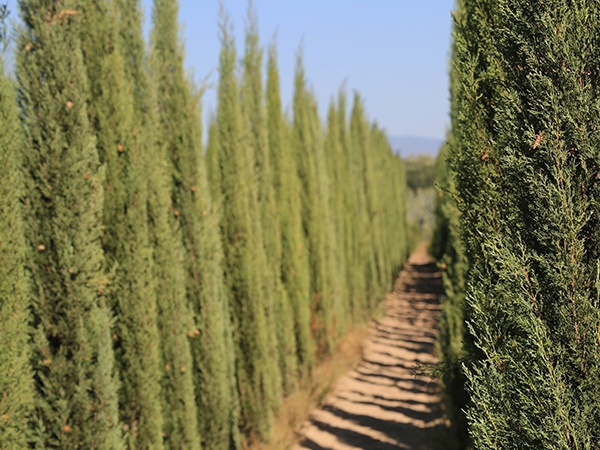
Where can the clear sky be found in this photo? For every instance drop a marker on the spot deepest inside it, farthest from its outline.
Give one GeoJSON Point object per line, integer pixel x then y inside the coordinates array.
{"type": "Point", "coordinates": [394, 52]}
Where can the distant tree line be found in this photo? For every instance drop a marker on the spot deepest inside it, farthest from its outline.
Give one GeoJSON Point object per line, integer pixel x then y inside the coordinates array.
{"type": "Point", "coordinates": [156, 294]}
{"type": "Point", "coordinates": [519, 226]}
{"type": "Point", "coordinates": [420, 171]}
{"type": "Point", "coordinates": [420, 196]}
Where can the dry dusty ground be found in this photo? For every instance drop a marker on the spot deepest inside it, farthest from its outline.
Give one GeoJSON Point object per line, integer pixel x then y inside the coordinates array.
{"type": "Point", "coordinates": [381, 404]}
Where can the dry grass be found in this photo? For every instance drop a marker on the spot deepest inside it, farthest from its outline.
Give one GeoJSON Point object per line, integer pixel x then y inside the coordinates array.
{"type": "Point", "coordinates": [298, 405]}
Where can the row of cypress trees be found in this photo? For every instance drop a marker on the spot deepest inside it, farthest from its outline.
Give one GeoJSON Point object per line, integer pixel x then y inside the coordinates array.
{"type": "Point", "coordinates": [448, 248]}
{"type": "Point", "coordinates": [520, 339]}
{"type": "Point", "coordinates": [153, 294]}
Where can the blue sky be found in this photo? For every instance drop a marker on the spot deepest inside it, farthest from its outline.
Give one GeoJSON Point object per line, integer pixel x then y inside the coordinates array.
{"type": "Point", "coordinates": [394, 52]}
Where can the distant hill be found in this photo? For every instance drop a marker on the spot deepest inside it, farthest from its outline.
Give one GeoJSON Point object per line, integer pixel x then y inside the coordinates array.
{"type": "Point", "coordinates": [413, 145]}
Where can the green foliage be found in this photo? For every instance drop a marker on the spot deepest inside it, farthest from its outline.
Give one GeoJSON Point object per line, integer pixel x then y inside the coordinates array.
{"type": "Point", "coordinates": [366, 254]}
{"type": "Point", "coordinates": [365, 176]}
{"type": "Point", "coordinates": [181, 135]}
{"type": "Point", "coordinates": [390, 177]}
{"type": "Point", "coordinates": [250, 299]}
{"type": "Point", "coordinates": [174, 319]}
{"type": "Point", "coordinates": [420, 174]}
{"type": "Point", "coordinates": [307, 143]}
{"type": "Point", "coordinates": [447, 247]}
{"type": "Point", "coordinates": [253, 106]}
{"type": "Point", "coordinates": [525, 118]}
{"type": "Point", "coordinates": [211, 160]}
{"type": "Point", "coordinates": [182, 430]}
{"type": "Point", "coordinates": [352, 218]}
{"type": "Point", "coordinates": [293, 255]}
{"type": "Point", "coordinates": [420, 171]}
{"type": "Point", "coordinates": [420, 214]}
{"type": "Point", "coordinates": [209, 284]}
{"type": "Point", "coordinates": [126, 236]}
{"type": "Point", "coordinates": [16, 377]}
{"type": "Point", "coordinates": [4, 13]}
{"type": "Point", "coordinates": [332, 278]}
{"type": "Point", "coordinates": [335, 159]}
{"type": "Point", "coordinates": [76, 402]}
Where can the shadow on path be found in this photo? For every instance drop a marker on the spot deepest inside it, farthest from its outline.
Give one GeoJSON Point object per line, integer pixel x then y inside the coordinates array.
{"type": "Point", "coordinates": [382, 404]}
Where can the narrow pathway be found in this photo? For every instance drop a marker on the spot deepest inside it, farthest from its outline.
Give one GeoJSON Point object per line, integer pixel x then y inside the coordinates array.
{"type": "Point", "coordinates": [381, 405]}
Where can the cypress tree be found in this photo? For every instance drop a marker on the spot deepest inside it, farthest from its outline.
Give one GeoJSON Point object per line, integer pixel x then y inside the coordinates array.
{"type": "Point", "coordinates": [126, 236]}
{"type": "Point", "coordinates": [253, 106]}
{"type": "Point", "coordinates": [381, 155]}
{"type": "Point", "coordinates": [133, 50]}
{"type": "Point", "coordinates": [338, 175]}
{"type": "Point", "coordinates": [526, 126]}
{"type": "Point", "coordinates": [258, 377]}
{"type": "Point", "coordinates": [294, 257]}
{"type": "Point", "coordinates": [375, 240]}
{"type": "Point", "coordinates": [362, 141]}
{"type": "Point", "coordinates": [448, 248]}
{"type": "Point", "coordinates": [174, 317]}
{"type": "Point", "coordinates": [76, 404]}
{"type": "Point", "coordinates": [398, 222]}
{"type": "Point", "coordinates": [16, 377]}
{"type": "Point", "coordinates": [213, 350]}
{"type": "Point", "coordinates": [377, 194]}
{"type": "Point", "coordinates": [180, 133]}
{"type": "Point", "coordinates": [355, 273]}
{"type": "Point", "coordinates": [333, 278]}
{"type": "Point", "coordinates": [393, 173]}
{"type": "Point", "coordinates": [306, 143]}
{"type": "Point", "coordinates": [363, 243]}
{"type": "Point", "coordinates": [211, 159]}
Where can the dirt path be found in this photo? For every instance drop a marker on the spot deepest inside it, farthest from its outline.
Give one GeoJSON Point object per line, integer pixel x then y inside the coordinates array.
{"type": "Point", "coordinates": [381, 404]}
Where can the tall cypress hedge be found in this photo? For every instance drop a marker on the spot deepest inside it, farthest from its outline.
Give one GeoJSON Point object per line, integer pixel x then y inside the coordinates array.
{"type": "Point", "coordinates": [333, 281]}
{"type": "Point", "coordinates": [211, 160]}
{"type": "Point", "coordinates": [365, 253]}
{"type": "Point", "coordinates": [305, 141]}
{"type": "Point", "coordinates": [350, 230]}
{"type": "Point", "coordinates": [337, 165]}
{"type": "Point", "coordinates": [294, 256]}
{"type": "Point", "coordinates": [447, 246]}
{"type": "Point", "coordinates": [253, 106]}
{"type": "Point", "coordinates": [525, 164]}
{"type": "Point", "coordinates": [176, 321]}
{"type": "Point", "coordinates": [16, 376]}
{"type": "Point", "coordinates": [453, 336]}
{"type": "Point", "coordinates": [163, 297]}
{"type": "Point", "coordinates": [174, 318]}
{"type": "Point", "coordinates": [251, 301]}
{"type": "Point", "coordinates": [76, 388]}
{"type": "Point", "coordinates": [180, 133]}
{"type": "Point", "coordinates": [126, 235]}
{"type": "Point", "coordinates": [363, 140]}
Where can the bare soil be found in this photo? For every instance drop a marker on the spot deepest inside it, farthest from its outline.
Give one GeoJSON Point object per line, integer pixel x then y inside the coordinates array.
{"type": "Point", "coordinates": [387, 402]}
